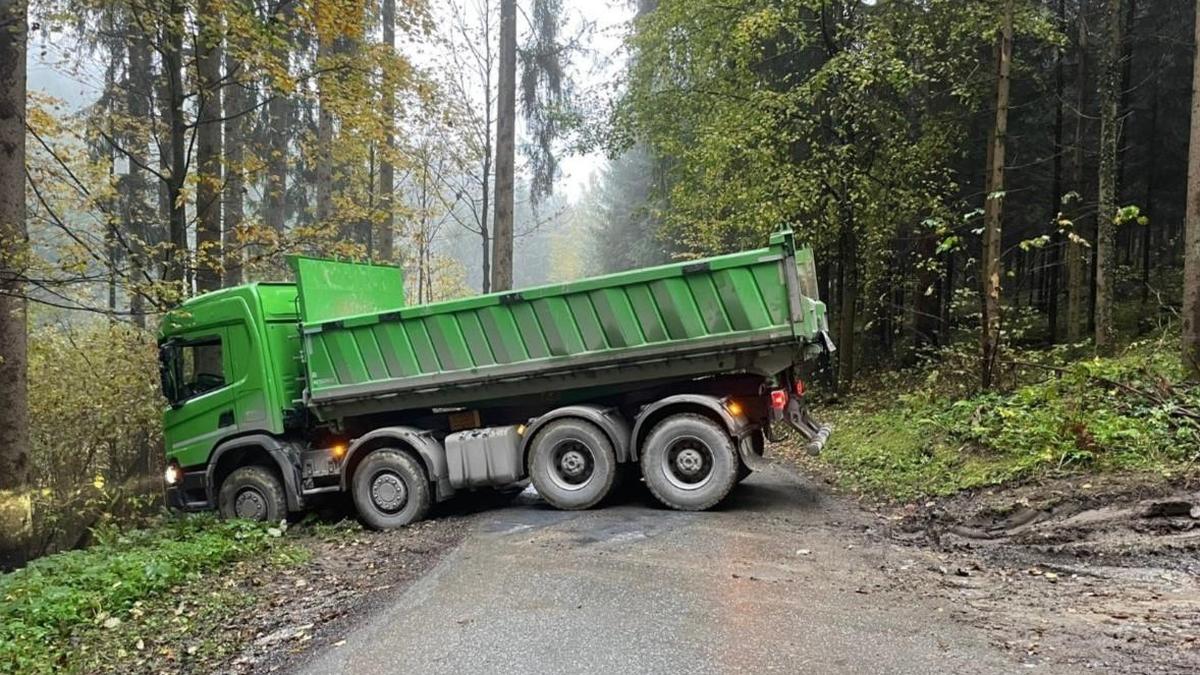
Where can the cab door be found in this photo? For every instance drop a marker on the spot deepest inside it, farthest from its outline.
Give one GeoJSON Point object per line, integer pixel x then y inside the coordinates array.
{"type": "Point", "coordinates": [203, 401]}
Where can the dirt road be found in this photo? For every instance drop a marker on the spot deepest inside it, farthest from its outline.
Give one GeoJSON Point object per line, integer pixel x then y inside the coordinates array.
{"type": "Point", "coordinates": [785, 577]}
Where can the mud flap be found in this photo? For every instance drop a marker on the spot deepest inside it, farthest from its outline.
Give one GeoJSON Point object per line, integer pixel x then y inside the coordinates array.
{"type": "Point", "coordinates": [813, 433]}
{"type": "Point", "coordinates": [753, 457]}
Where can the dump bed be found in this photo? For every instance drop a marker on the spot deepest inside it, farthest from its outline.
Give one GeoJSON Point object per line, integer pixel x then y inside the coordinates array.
{"type": "Point", "coordinates": [755, 311]}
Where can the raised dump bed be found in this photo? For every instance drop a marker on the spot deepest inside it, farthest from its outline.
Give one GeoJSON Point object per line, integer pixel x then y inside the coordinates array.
{"type": "Point", "coordinates": [746, 312]}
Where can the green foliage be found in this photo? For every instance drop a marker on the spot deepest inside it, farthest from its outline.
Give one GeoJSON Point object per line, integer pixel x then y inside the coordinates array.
{"type": "Point", "coordinates": [94, 403]}
{"type": "Point", "coordinates": [830, 116]}
{"type": "Point", "coordinates": [95, 428]}
{"type": "Point", "coordinates": [1118, 413]}
{"type": "Point", "coordinates": [45, 605]}
{"type": "Point", "coordinates": [1126, 413]}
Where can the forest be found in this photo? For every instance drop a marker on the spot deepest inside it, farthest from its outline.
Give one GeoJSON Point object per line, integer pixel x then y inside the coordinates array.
{"type": "Point", "coordinates": [1000, 194]}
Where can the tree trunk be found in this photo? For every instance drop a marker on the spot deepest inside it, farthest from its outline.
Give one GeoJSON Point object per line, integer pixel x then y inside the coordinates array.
{"type": "Point", "coordinates": [387, 172]}
{"type": "Point", "coordinates": [485, 211]}
{"type": "Point", "coordinates": [176, 172]}
{"type": "Point", "coordinates": [138, 95]}
{"type": "Point", "coordinates": [237, 112]}
{"type": "Point", "coordinates": [847, 308]}
{"type": "Point", "coordinates": [502, 233]}
{"type": "Point", "coordinates": [275, 199]}
{"type": "Point", "coordinates": [1151, 175]}
{"type": "Point", "coordinates": [993, 209]}
{"type": "Point", "coordinates": [1110, 82]}
{"type": "Point", "coordinates": [1053, 268]}
{"type": "Point", "coordinates": [1191, 256]}
{"type": "Point", "coordinates": [325, 52]}
{"type": "Point", "coordinates": [208, 147]}
{"type": "Point", "coordinates": [1126, 112]}
{"type": "Point", "coordinates": [1076, 251]}
{"type": "Point", "coordinates": [14, 401]}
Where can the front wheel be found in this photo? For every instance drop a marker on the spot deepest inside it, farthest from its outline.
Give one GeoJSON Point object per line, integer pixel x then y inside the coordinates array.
{"type": "Point", "coordinates": [390, 489]}
{"type": "Point", "coordinates": [252, 493]}
{"type": "Point", "coordinates": [689, 462]}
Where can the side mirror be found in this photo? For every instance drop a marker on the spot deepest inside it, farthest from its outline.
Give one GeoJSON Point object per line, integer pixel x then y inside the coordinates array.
{"type": "Point", "coordinates": [166, 372]}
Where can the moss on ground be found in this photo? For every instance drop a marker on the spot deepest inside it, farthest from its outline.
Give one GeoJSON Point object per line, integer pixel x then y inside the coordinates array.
{"type": "Point", "coordinates": [1128, 413]}
{"type": "Point", "coordinates": [85, 610]}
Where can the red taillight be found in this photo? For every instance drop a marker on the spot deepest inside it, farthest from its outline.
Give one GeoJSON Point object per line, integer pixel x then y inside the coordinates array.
{"type": "Point", "coordinates": [779, 399]}
{"type": "Point", "coordinates": [799, 387]}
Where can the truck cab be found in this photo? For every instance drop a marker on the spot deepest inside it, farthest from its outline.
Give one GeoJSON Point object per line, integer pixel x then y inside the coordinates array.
{"type": "Point", "coordinates": [230, 364]}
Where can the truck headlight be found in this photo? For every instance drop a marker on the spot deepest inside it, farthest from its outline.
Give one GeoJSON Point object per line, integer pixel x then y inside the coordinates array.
{"type": "Point", "coordinates": [172, 474]}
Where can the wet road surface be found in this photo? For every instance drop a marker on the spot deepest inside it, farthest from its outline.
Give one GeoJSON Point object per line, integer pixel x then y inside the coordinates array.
{"type": "Point", "coordinates": [783, 577]}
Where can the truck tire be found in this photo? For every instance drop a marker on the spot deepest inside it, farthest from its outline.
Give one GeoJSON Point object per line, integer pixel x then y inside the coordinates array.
{"type": "Point", "coordinates": [572, 464]}
{"type": "Point", "coordinates": [252, 493]}
{"type": "Point", "coordinates": [390, 489]}
{"type": "Point", "coordinates": [689, 462]}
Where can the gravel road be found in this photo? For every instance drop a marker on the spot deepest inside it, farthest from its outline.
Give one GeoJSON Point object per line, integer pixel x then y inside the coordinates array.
{"type": "Point", "coordinates": [784, 577]}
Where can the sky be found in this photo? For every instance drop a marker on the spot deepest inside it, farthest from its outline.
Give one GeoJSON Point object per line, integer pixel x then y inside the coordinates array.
{"type": "Point", "coordinates": [610, 19]}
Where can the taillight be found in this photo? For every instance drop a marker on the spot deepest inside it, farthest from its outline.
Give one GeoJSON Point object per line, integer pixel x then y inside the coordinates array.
{"type": "Point", "coordinates": [779, 399]}
{"type": "Point", "coordinates": [799, 387]}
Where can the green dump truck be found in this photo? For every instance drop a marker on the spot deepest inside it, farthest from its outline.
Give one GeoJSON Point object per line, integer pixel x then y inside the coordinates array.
{"type": "Point", "coordinates": [282, 393]}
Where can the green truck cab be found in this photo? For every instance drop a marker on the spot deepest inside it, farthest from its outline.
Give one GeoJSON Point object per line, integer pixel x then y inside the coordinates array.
{"type": "Point", "coordinates": [280, 393]}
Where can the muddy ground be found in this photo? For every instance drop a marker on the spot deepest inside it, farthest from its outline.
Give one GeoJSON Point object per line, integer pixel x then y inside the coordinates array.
{"type": "Point", "coordinates": [1101, 573]}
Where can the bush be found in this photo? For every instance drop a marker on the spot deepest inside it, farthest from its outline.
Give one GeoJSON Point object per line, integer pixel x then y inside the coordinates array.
{"type": "Point", "coordinates": [47, 603]}
{"type": "Point", "coordinates": [95, 435]}
{"type": "Point", "coordinates": [1126, 413]}
{"type": "Point", "coordinates": [94, 404]}
{"type": "Point", "coordinates": [1111, 413]}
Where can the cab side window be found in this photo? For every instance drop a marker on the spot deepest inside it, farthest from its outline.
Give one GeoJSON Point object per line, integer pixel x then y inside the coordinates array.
{"type": "Point", "coordinates": [202, 367]}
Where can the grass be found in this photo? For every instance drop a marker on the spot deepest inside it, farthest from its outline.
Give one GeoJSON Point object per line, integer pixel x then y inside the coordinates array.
{"type": "Point", "coordinates": [923, 433]}
{"type": "Point", "coordinates": [74, 611]}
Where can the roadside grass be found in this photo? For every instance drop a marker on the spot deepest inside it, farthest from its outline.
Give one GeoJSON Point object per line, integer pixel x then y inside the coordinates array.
{"type": "Point", "coordinates": [85, 610]}
{"type": "Point", "coordinates": [924, 433]}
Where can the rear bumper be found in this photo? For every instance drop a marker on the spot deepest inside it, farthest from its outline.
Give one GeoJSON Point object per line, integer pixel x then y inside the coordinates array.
{"type": "Point", "coordinates": [191, 493]}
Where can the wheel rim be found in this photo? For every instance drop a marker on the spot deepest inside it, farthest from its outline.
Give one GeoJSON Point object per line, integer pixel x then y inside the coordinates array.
{"type": "Point", "coordinates": [250, 504]}
{"type": "Point", "coordinates": [688, 463]}
{"type": "Point", "coordinates": [572, 465]}
{"type": "Point", "coordinates": [388, 492]}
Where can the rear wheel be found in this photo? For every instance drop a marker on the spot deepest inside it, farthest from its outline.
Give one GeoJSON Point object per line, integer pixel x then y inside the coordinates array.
{"type": "Point", "coordinates": [390, 489]}
{"type": "Point", "coordinates": [572, 464]}
{"type": "Point", "coordinates": [252, 493]}
{"type": "Point", "coordinates": [689, 462]}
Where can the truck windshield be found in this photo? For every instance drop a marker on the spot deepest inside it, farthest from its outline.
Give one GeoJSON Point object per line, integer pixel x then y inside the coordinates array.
{"type": "Point", "coordinates": [192, 368]}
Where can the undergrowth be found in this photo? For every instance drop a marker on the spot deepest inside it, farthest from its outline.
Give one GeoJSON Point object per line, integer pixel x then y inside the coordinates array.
{"type": "Point", "coordinates": [65, 605]}
{"type": "Point", "coordinates": [927, 431]}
